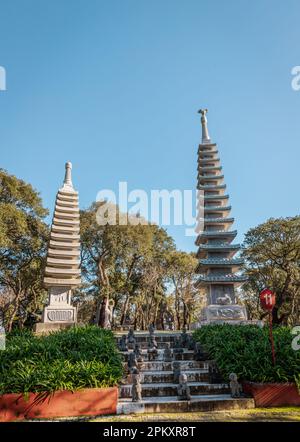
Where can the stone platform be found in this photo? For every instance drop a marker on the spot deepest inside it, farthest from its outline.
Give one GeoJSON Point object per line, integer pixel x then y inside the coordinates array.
{"type": "Point", "coordinates": [48, 327]}
{"type": "Point", "coordinates": [173, 405]}
{"type": "Point", "coordinates": [159, 390]}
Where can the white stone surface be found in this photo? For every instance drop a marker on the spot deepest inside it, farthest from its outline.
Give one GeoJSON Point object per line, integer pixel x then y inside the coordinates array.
{"type": "Point", "coordinates": [62, 272]}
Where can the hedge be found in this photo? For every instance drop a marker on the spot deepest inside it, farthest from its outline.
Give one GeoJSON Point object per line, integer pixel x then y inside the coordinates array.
{"type": "Point", "coordinates": [80, 357]}
{"type": "Point", "coordinates": [245, 350]}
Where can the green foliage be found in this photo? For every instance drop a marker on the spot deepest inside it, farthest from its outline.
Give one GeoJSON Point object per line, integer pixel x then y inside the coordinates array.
{"type": "Point", "coordinates": [23, 239]}
{"type": "Point", "coordinates": [83, 357]}
{"type": "Point", "coordinates": [246, 351]}
{"type": "Point", "coordinates": [21, 212]}
{"type": "Point", "coordinates": [272, 254]}
{"type": "Point", "coordinates": [187, 300]}
{"type": "Point", "coordinates": [128, 263]}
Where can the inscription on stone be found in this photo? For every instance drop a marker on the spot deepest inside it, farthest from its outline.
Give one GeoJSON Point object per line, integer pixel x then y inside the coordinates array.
{"type": "Point", "coordinates": [60, 315]}
{"type": "Point", "coordinates": [235, 312]}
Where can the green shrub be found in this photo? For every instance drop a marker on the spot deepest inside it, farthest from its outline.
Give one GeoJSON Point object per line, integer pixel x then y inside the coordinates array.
{"type": "Point", "coordinates": [246, 351]}
{"type": "Point", "coordinates": [80, 357]}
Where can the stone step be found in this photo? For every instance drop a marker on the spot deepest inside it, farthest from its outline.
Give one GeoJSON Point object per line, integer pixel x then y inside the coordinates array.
{"type": "Point", "coordinates": [167, 366]}
{"type": "Point", "coordinates": [160, 344]}
{"type": "Point", "coordinates": [172, 404]}
{"type": "Point", "coordinates": [140, 339]}
{"type": "Point", "coordinates": [186, 355]}
{"type": "Point", "coordinates": [149, 377]}
{"type": "Point", "coordinates": [144, 351]}
{"type": "Point", "coordinates": [170, 389]}
{"type": "Point", "coordinates": [145, 333]}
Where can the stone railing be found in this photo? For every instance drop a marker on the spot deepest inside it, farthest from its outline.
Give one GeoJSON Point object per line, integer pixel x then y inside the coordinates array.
{"type": "Point", "coordinates": [209, 167]}
{"type": "Point", "coordinates": [207, 152]}
{"type": "Point", "coordinates": [216, 197]}
{"type": "Point", "coordinates": [220, 246]}
{"type": "Point", "coordinates": [220, 278]}
{"type": "Point", "coordinates": [210, 177]}
{"type": "Point", "coordinates": [218, 232]}
{"type": "Point", "coordinates": [221, 261]}
{"type": "Point", "coordinates": [208, 160]}
{"type": "Point", "coordinates": [217, 208]}
{"type": "Point", "coordinates": [212, 186]}
{"type": "Point", "coordinates": [218, 220]}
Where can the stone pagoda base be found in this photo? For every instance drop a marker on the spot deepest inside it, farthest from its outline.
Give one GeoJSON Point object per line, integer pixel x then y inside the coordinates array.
{"type": "Point", "coordinates": [232, 314]}
{"type": "Point", "coordinates": [224, 313]}
{"type": "Point", "coordinates": [48, 327]}
{"type": "Point", "coordinates": [59, 313]}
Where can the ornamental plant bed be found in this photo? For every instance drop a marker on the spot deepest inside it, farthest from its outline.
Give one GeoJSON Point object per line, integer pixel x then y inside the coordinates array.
{"type": "Point", "coordinates": [273, 394]}
{"type": "Point", "coordinates": [71, 372]}
{"type": "Point", "coordinates": [86, 402]}
{"type": "Point", "coordinates": [246, 351]}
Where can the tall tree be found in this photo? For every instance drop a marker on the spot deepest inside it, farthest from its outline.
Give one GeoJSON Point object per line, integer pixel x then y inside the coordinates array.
{"type": "Point", "coordinates": [123, 262]}
{"type": "Point", "coordinates": [151, 304]}
{"type": "Point", "coordinates": [23, 239]}
{"type": "Point", "coordinates": [272, 254]}
{"type": "Point", "coordinates": [182, 267]}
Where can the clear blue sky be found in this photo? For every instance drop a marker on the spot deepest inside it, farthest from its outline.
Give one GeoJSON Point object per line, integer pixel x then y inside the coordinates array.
{"type": "Point", "coordinates": [114, 86]}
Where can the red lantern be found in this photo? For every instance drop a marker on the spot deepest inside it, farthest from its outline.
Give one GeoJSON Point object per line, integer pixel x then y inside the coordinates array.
{"type": "Point", "coordinates": [267, 299]}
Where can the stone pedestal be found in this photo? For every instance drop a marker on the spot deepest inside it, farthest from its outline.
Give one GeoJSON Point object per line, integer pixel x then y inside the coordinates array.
{"type": "Point", "coordinates": [47, 327]}
{"type": "Point", "coordinates": [233, 313]}
{"type": "Point", "coordinates": [59, 308]}
{"type": "Point", "coordinates": [59, 313]}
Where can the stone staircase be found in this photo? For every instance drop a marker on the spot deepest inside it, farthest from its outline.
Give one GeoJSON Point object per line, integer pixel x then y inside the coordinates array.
{"type": "Point", "coordinates": [159, 391]}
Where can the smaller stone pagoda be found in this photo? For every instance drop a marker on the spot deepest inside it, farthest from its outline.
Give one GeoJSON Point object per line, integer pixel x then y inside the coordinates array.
{"type": "Point", "coordinates": [62, 273]}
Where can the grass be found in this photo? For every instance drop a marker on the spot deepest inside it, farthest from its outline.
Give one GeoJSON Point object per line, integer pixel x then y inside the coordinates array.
{"type": "Point", "coordinates": [283, 414]}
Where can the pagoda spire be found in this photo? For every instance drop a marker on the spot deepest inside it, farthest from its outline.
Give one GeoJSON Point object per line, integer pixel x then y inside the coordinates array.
{"type": "Point", "coordinates": [205, 135]}
{"type": "Point", "coordinates": [68, 185]}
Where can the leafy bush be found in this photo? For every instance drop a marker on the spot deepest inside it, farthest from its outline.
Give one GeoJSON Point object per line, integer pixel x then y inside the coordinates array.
{"type": "Point", "coordinates": [246, 351]}
{"type": "Point", "coordinates": [70, 359]}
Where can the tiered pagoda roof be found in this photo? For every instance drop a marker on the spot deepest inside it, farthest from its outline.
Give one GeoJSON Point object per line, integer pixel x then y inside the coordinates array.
{"type": "Point", "coordinates": [217, 264]}
{"type": "Point", "coordinates": [63, 258]}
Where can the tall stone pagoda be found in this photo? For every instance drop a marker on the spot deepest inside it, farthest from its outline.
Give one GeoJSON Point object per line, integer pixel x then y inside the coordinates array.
{"type": "Point", "coordinates": [218, 267]}
{"type": "Point", "coordinates": [62, 273]}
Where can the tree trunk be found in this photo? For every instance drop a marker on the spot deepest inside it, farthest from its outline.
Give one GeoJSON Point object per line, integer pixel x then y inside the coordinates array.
{"type": "Point", "coordinates": [184, 314]}
{"type": "Point", "coordinates": [125, 309]}
{"type": "Point", "coordinates": [14, 312]}
{"type": "Point", "coordinates": [177, 313]}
